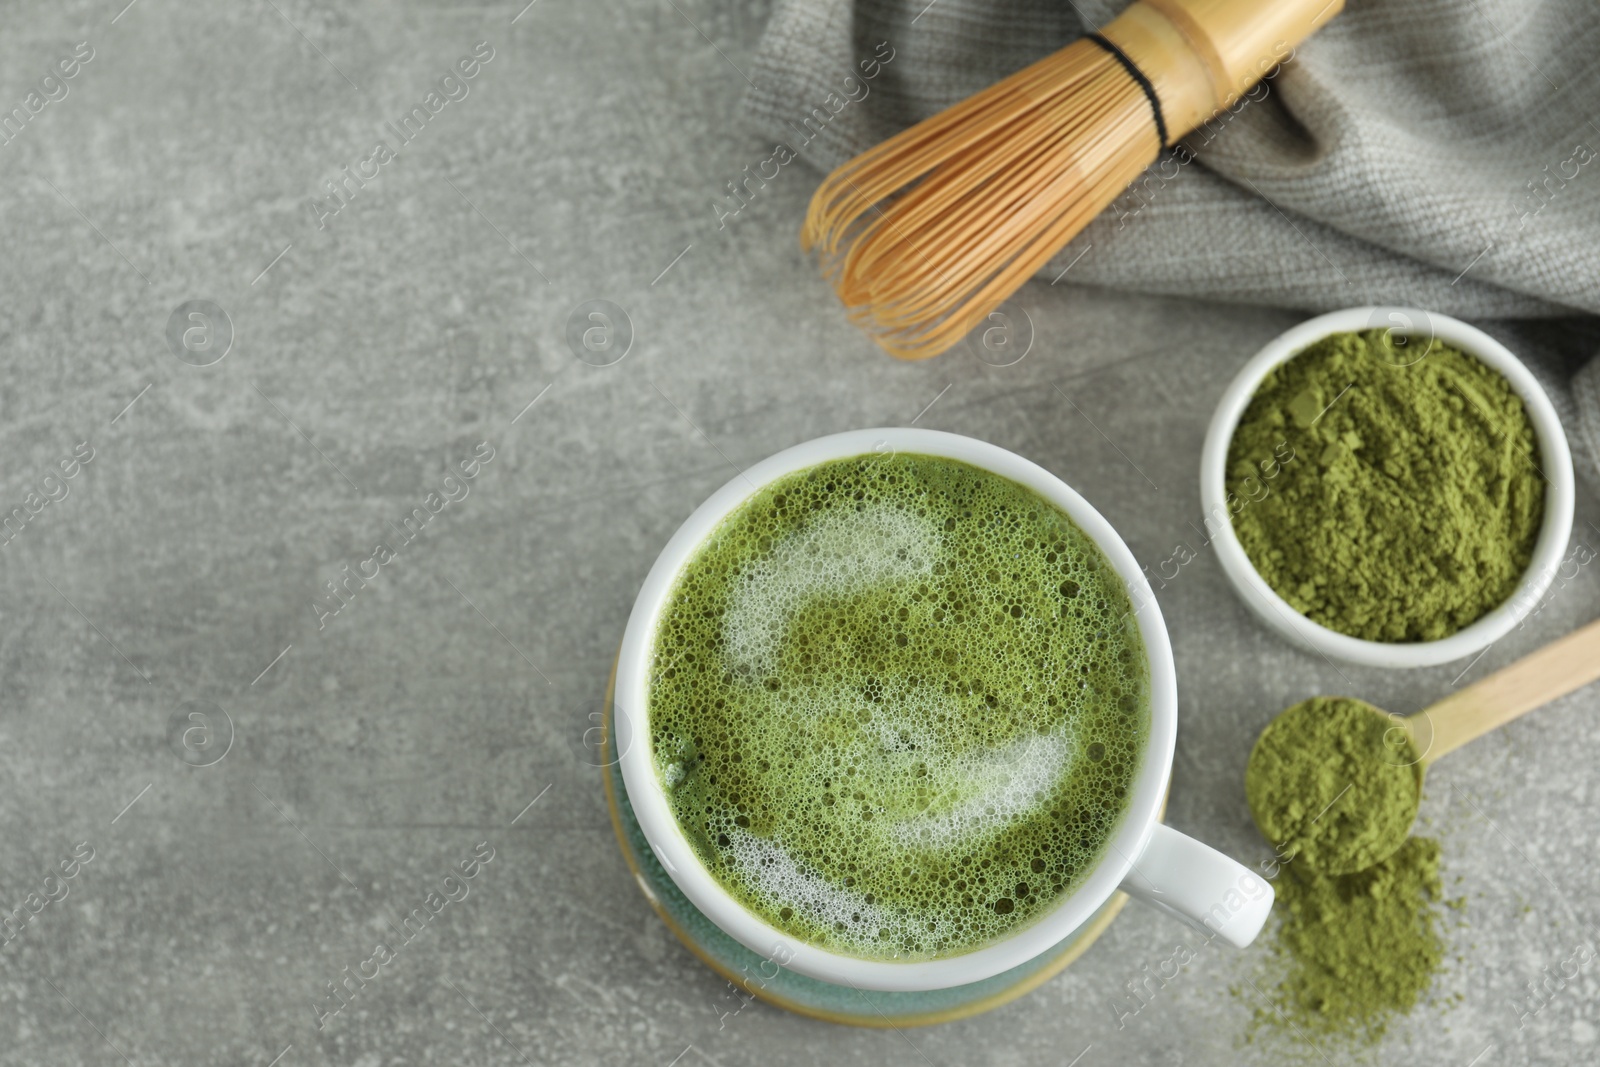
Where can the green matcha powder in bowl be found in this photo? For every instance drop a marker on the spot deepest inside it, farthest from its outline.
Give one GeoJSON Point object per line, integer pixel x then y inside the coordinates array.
{"type": "Point", "coordinates": [1388, 486]}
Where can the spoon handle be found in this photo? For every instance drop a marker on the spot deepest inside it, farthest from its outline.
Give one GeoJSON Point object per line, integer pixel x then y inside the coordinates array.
{"type": "Point", "coordinates": [1532, 681]}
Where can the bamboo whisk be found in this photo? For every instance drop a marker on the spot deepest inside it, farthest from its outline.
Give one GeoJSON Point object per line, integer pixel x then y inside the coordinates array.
{"type": "Point", "coordinates": [924, 235]}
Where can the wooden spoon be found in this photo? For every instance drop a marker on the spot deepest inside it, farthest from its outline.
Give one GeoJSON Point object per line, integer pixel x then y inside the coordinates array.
{"type": "Point", "coordinates": [1343, 793]}
{"type": "Point", "coordinates": [1555, 670]}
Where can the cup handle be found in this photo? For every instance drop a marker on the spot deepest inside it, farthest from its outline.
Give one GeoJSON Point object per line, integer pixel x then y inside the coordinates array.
{"type": "Point", "coordinates": [1199, 885]}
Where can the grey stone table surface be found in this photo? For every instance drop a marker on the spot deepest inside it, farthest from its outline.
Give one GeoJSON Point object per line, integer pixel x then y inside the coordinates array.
{"type": "Point", "coordinates": [369, 352]}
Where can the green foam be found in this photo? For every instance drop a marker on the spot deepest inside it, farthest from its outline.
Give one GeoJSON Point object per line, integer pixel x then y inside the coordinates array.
{"type": "Point", "coordinates": [898, 703]}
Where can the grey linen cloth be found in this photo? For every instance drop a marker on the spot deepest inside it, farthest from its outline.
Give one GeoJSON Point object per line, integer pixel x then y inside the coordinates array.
{"type": "Point", "coordinates": [1440, 154]}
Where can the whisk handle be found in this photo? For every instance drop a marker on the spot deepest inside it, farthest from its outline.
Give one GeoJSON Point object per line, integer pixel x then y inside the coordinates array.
{"type": "Point", "coordinates": [1200, 56]}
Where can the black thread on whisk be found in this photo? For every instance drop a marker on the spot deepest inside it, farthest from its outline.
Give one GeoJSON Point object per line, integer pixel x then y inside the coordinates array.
{"type": "Point", "coordinates": [1144, 83]}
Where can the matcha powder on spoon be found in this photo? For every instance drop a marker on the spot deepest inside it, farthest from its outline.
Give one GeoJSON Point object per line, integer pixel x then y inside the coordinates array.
{"type": "Point", "coordinates": [1415, 500]}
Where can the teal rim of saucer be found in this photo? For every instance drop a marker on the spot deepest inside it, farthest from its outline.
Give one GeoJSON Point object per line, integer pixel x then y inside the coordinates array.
{"type": "Point", "coordinates": [763, 979]}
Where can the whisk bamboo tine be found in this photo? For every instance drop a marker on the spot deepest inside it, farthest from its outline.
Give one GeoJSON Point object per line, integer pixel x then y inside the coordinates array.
{"type": "Point", "coordinates": [925, 234]}
{"type": "Point", "coordinates": [924, 208]}
{"type": "Point", "coordinates": [914, 151]}
{"type": "Point", "coordinates": [1030, 258]}
{"type": "Point", "coordinates": [1003, 220]}
{"type": "Point", "coordinates": [1035, 148]}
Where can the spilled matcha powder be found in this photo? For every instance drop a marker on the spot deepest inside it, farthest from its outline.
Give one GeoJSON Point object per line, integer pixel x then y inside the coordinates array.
{"type": "Point", "coordinates": [1334, 784]}
{"type": "Point", "coordinates": [1417, 501]}
{"type": "Point", "coordinates": [1358, 949]}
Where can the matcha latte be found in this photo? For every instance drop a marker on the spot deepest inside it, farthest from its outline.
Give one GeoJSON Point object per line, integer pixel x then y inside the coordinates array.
{"type": "Point", "coordinates": [897, 705]}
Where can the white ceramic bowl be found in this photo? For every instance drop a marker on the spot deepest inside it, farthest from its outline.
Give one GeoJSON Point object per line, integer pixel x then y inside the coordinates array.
{"type": "Point", "coordinates": [1555, 459]}
{"type": "Point", "coordinates": [1143, 857]}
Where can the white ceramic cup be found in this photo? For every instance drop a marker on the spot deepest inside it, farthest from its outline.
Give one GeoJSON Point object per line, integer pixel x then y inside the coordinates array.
{"type": "Point", "coordinates": [1143, 857]}
{"type": "Point", "coordinates": [1421, 327]}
